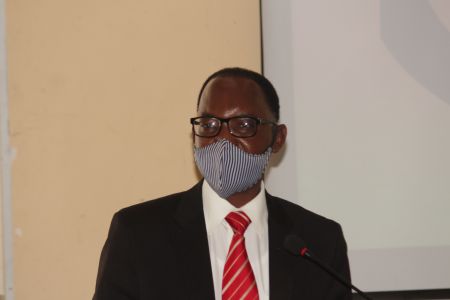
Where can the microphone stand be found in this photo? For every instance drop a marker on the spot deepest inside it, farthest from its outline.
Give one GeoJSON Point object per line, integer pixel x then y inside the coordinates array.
{"type": "Point", "coordinates": [334, 274]}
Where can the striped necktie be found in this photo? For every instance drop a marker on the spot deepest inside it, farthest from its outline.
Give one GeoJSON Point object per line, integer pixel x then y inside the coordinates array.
{"type": "Point", "coordinates": [238, 278]}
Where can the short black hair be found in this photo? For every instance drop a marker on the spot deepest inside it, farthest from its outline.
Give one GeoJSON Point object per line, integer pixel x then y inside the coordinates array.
{"type": "Point", "coordinates": [269, 91]}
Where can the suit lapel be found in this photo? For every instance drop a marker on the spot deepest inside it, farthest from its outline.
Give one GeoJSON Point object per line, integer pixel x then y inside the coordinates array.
{"type": "Point", "coordinates": [191, 244]}
{"type": "Point", "coordinates": [280, 271]}
{"type": "Point", "coordinates": [283, 267]}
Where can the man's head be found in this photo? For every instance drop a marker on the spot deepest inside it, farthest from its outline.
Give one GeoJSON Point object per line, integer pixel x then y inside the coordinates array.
{"type": "Point", "coordinates": [235, 132]}
{"type": "Point", "coordinates": [236, 92]}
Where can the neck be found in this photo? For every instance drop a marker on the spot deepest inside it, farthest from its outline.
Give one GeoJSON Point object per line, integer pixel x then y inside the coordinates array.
{"type": "Point", "coordinates": [240, 199]}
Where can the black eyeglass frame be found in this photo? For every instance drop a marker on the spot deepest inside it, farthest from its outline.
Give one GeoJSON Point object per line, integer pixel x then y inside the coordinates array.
{"type": "Point", "coordinates": [258, 121]}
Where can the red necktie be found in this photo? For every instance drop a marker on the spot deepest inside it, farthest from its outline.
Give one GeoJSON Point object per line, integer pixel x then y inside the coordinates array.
{"type": "Point", "coordinates": [238, 279]}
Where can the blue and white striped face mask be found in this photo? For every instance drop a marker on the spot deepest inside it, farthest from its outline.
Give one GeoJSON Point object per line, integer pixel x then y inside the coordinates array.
{"type": "Point", "coordinates": [228, 169]}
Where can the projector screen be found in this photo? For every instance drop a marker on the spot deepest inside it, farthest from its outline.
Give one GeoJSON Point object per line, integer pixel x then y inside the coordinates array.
{"type": "Point", "coordinates": [364, 89]}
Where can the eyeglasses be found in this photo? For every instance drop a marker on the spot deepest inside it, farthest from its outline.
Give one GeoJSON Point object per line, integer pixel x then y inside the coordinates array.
{"type": "Point", "coordinates": [242, 127]}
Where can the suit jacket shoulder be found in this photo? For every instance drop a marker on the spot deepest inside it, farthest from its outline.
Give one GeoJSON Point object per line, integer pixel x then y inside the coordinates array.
{"type": "Point", "coordinates": [317, 231]}
{"type": "Point", "coordinates": [154, 246]}
{"type": "Point", "coordinates": [157, 212]}
{"type": "Point", "coordinates": [323, 237]}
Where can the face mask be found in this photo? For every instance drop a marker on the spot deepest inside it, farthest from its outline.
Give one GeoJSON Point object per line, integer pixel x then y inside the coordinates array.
{"type": "Point", "coordinates": [228, 169]}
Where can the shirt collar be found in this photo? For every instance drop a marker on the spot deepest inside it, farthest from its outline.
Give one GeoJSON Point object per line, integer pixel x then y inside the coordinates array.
{"type": "Point", "coordinates": [216, 209]}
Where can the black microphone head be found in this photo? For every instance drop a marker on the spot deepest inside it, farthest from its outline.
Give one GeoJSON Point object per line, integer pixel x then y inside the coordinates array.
{"type": "Point", "coordinates": [295, 245]}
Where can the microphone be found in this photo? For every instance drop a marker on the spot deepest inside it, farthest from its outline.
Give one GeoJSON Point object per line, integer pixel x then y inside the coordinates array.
{"type": "Point", "coordinates": [296, 246]}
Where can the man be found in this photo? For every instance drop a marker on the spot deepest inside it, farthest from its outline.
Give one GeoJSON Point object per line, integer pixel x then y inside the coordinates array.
{"type": "Point", "coordinates": [223, 238]}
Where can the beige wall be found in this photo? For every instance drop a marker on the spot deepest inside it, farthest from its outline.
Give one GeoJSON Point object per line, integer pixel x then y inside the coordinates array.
{"type": "Point", "coordinates": [100, 94]}
{"type": "Point", "coordinates": [2, 277]}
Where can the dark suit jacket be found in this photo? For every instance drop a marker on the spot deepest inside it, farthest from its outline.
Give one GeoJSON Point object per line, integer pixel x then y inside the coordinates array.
{"type": "Point", "coordinates": [159, 250]}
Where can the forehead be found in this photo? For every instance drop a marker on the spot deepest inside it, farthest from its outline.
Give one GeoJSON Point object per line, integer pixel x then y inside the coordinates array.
{"type": "Point", "coordinates": [232, 96]}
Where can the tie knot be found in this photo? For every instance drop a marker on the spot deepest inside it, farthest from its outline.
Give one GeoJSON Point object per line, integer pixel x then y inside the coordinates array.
{"type": "Point", "coordinates": [239, 221]}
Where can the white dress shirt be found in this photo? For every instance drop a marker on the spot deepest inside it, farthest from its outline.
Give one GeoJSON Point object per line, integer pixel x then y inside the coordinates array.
{"type": "Point", "coordinates": [220, 234]}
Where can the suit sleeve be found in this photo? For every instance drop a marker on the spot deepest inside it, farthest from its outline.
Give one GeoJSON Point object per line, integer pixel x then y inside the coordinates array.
{"type": "Point", "coordinates": [341, 265]}
{"type": "Point", "coordinates": [117, 277]}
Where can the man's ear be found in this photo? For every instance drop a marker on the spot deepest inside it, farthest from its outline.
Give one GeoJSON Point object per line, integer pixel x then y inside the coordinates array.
{"type": "Point", "coordinates": [280, 138]}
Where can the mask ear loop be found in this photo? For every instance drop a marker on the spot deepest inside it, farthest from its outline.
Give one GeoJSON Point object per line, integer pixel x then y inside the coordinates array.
{"type": "Point", "coordinates": [274, 136]}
